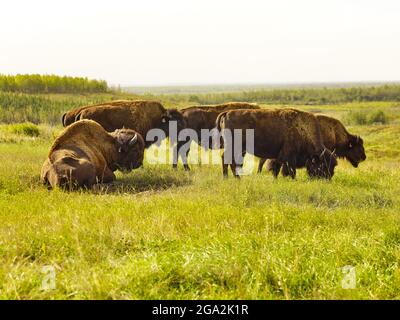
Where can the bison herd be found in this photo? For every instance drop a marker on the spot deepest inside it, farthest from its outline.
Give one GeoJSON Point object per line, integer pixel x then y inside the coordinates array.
{"type": "Point", "coordinates": [100, 139]}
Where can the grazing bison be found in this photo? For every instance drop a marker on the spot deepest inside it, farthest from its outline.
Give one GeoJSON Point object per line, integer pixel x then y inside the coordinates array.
{"type": "Point", "coordinates": [85, 154]}
{"type": "Point", "coordinates": [139, 115]}
{"type": "Point", "coordinates": [288, 135]}
{"type": "Point", "coordinates": [69, 117]}
{"type": "Point", "coordinates": [202, 117]}
{"type": "Point", "coordinates": [336, 138]}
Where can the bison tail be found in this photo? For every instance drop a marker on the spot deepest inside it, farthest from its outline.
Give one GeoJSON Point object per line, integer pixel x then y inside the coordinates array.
{"type": "Point", "coordinates": [220, 117]}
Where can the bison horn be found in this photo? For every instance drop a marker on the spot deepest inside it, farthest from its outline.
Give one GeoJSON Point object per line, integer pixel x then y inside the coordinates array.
{"type": "Point", "coordinates": [133, 140]}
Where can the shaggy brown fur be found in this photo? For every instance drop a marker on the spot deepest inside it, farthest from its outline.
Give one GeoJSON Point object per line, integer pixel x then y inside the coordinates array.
{"type": "Point", "coordinates": [335, 138]}
{"type": "Point", "coordinates": [85, 154]}
{"type": "Point", "coordinates": [288, 135]}
{"type": "Point", "coordinates": [139, 115]}
{"type": "Point", "coordinates": [69, 117]}
{"type": "Point", "coordinates": [203, 117]}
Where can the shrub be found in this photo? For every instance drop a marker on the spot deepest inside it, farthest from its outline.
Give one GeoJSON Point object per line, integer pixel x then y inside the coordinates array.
{"type": "Point", "coordinates": [27, 129]}
{"type": "Point", "coordinates": [356, 117]}
{"type": "Point", "coordinates": [365, 117]}
{"type": "Point", "coordinates": [378, 117]}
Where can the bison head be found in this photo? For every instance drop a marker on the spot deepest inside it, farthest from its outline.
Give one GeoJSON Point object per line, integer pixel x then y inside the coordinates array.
{"type": "Point", "coordinates": [322, 166]}
{"type": "Point", "coordinates": [172, 115]}
{"type": "Point", "coordinates": [355, 152]}
{"type": "Point", "coordinates": [130, 149]}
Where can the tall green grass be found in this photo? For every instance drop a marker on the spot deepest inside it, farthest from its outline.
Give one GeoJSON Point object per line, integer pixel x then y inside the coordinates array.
{"type": "Point", "coordinates": [158, 233]}
{"type": "Point", "coordinates": [27, 129]}
{"type": "Point", "coordinates": [49, 108]}
{"type": "Point", "coordinates": [362, 117]}
{"type": "Point", "coordinates": [17, 107]}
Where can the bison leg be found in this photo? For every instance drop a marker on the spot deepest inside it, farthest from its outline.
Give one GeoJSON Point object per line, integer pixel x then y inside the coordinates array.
{"type": "Point", "coordinates": [233, 169]}
{"type": "Point", "coordinates": [274, 166]}
{"type": "Point", "coordinates": [185, 161]}
{"type": "Point", "coordinates": [237, 164]}
{"type": "Point", "coordinates": [224, 166]}
{"type": "Point", "coordinates": [287, 158]}
{"type": "Point", "coordinates": [84, 174]}
{"type": "Point", "coordinates": [108, 176]}
{"type": "Point", "coordinates": [176, 153]}
{"type": "Point", "coordinates": [291, 169]}
{"type": "Point", "coordinates": [261, 164]}
{"type": "Point", "coordinates": [182, 149]}
{"type": "Point", "coordinates": [234, 161]}
{"type": "Point", "coordinates": [285, 170]}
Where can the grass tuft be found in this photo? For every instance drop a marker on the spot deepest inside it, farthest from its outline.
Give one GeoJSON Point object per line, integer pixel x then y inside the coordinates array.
{"type": "Point", "coordinates": [28, 129]}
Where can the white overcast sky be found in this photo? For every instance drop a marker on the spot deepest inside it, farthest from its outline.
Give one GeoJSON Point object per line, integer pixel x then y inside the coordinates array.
{"type": "Point", "coordinates": [160, 42]}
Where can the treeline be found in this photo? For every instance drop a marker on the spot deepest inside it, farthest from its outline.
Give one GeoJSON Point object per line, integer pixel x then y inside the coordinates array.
{"type": "Point", "coordinates": [36, 83]}
{"type": "Point", "coordinates": [300, 96]}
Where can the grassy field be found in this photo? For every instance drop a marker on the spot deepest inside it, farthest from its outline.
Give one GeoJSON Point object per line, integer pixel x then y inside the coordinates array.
{"type": "Point", "coordinates": [164, 234]}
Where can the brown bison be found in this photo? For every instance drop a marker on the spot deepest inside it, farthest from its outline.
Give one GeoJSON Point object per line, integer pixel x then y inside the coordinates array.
{"type": "Point", "coordinates": [139, 115]}
{"type": "Point", "coordinates": [85, 154]}
{"type": "Point", "coordinates": [202, 117]}
{"type": "Point", "coordinates": [288, 135]}
{"type": "Point", "coordinates": [336, 138]}
{"type": "Point", "coordinates": [69, 117]}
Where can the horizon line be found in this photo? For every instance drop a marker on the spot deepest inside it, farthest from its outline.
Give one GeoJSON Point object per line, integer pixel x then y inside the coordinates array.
{"type": "Point", "coordinates": [256, 83]}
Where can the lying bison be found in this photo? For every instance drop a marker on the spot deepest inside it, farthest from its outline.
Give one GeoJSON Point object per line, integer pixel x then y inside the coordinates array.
{"type": "Point", "coordinates": [335, 138]}
{"type": "Point", "coordinates": [139, 115]}
{"type": "Point", "coordinates": [288, 135]}
{"type": "Point", "coordinates": [85, 154]}
{"type": "Point", "coordinates": [202, 117]}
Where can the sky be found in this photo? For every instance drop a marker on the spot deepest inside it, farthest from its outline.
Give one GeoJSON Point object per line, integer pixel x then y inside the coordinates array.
{"type": "Point", "coordinates": [189, 42]}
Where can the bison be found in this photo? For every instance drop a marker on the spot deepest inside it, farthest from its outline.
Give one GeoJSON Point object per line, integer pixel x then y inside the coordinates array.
{"type": "Point", "coordinates": [85, 154]}
{"type": "Point", "coordinates": [139, 115]}
{"type": "Point", "coordinates": [202, 117]}
{"type": "Point", "coordinates": [336, 138]}
{"type": "Point", "coordinates": [288, 135]}
{"type": "Point", "coordinates": [69, 117]}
